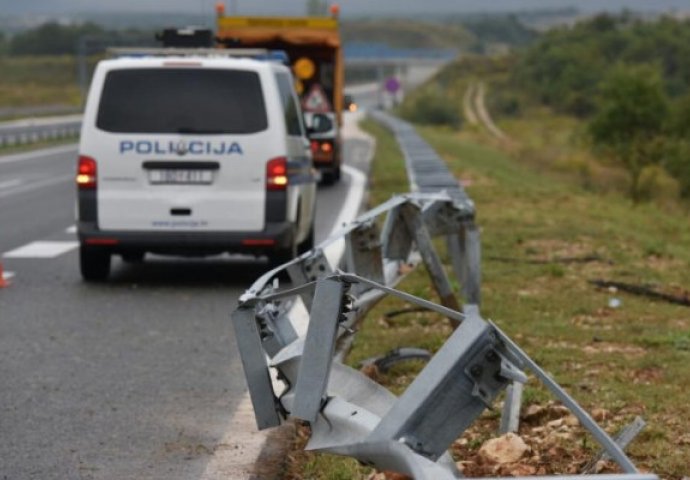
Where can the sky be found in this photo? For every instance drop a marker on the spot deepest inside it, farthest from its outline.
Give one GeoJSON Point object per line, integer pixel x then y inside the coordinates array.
{"type": "Point", "coordinates": [348, 7]}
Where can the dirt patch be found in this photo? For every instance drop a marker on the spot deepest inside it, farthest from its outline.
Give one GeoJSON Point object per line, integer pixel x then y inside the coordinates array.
{"type": "Point", "coordinates": [602, 319]}
{"type": "Point", "coordinates": [607, 347]}
{"type": "Point", "coordinates": [647, 376]}
{"type": "Point", "coordinates": [663, 264]}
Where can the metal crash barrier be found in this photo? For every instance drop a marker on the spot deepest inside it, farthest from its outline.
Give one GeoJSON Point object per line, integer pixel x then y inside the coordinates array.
{"type": "Point", "coordinates": [289, 337]}
{"type": "Point", "coordinates": [40, 129]}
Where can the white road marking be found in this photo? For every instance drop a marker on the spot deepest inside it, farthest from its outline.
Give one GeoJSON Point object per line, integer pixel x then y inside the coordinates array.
{"type": "Point", "coordinates": [11, 183]}
{"type": "Point", "coordinates": [34, 154]}
{"type": "Point", "coordinates": [72, 229]}
{"type": "Point", "coordinates": [27, 187]}
{"type": "Point", "coordinates": [7, 275]}
{"type": "Point", "coordinates": [349, 211]}
{"type": "Point", "coordinates": [41, 250]}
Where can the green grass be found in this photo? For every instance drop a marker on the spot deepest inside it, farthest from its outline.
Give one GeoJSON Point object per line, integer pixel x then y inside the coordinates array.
{"type": "Point", "coordinates": [39, 80]}
{"type": "Point", "coordinates": [629, 360]}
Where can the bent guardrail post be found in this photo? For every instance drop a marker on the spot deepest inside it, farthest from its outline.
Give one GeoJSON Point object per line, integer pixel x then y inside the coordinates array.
{"type": "Point", "coordinates": [417, 229]}
{"type": "Point", "coordinates": [264, 401]}
{"type": "Point", "coordinates": [319, 346]}
{"type": "Point", "coordinates": [363, 253]}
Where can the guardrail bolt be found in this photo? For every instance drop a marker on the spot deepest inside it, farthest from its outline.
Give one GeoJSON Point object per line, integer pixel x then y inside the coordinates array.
{"type": "Point", "coordinates": [492, 356]}
{"type": "Point", "coordinates": [476, 371]}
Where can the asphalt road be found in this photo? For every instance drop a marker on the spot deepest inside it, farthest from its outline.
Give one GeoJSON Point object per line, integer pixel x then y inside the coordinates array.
{"type": "Point", "coordinates": [137, 378]}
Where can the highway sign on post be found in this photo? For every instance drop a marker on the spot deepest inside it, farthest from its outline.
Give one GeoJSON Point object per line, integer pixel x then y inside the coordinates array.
{"type": "Point", "coordinates": [392, 85]}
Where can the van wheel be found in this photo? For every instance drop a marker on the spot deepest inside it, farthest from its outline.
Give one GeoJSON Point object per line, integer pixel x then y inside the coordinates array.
{"type": "Point", "coordinates": [284, 255]}
{"type": "Point", "coordinates": [308, 242]}
{"type": "Point", "coordinates": [94, 263]}
{"type": "Point", "coordinates": [133, 257]}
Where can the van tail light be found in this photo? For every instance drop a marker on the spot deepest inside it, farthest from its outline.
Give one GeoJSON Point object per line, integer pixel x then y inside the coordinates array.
{"type": "Point", "coordinates": [276, 174]}
{"type": "Point", "coordinates": [86, 172]}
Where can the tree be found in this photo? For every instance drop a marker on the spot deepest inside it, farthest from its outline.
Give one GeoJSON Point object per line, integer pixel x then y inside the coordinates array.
{"type": "Point", "coordinates": [630, 120]}
{"type": "Point", "coordinates": [51, 38]}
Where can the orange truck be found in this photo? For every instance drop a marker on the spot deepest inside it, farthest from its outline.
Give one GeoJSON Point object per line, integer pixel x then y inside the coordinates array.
{"type": "Point", "coordinates": [314, 50]}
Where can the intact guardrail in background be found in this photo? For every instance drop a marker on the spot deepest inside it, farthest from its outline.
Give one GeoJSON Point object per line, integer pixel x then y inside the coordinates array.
{"type": "Point", "coordinates": [39, 129]}
{"type": "Point", "coordinates": [291, 339]}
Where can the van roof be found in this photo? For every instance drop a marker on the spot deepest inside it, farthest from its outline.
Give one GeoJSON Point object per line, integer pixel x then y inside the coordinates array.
{"type": "Point", "coordinates": [190, 61]}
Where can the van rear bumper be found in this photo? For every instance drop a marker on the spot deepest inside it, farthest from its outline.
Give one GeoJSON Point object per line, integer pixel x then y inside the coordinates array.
{"type": "Point", "coordinates": [275, 236]}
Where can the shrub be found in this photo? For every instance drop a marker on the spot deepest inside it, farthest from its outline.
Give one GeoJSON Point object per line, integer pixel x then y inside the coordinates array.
{"type": "Point", "coordinates": [431, 107]}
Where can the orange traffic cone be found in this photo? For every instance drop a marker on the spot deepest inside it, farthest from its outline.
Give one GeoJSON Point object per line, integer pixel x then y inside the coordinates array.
{"type": "Point", "coordinates": [3, 283]}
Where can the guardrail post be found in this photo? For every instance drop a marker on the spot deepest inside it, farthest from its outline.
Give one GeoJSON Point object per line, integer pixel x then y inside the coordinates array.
{"type": "Point", "coordinates": [266, 406]}
{"type": "Point", "coordinates": [363, 254]}
{"type": "Point", "coordinates": [439, 279]}
{"type": "Point", "coordinates": [319, 346]}
{"type": "Point", "coordinates": [397, 240]}
{"type": "Point", "coordinates": [465, 252]}
{"type": "Point", "coordinates": [309, 269]}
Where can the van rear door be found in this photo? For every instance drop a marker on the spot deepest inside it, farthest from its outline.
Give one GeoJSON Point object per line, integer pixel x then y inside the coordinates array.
{"type": "Point", "coordinates": [182, 148]}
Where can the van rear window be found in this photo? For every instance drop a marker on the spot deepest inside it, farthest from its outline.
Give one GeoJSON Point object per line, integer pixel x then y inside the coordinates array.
{"type": "Point", "coordinates": [182, 100]}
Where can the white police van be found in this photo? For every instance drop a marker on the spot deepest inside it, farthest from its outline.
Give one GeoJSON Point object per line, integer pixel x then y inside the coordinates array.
{"type": "Point", "coordinates": [192, 155]}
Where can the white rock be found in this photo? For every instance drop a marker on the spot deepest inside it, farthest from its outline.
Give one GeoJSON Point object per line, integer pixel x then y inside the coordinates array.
{"type": "Point", "coordinates": [508, 448]}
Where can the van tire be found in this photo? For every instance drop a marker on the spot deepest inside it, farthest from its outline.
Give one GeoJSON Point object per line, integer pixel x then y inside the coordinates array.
{"type": "Point", "coordinates": [308, 243]}
{"type": "Point", "coordinates": [94, 263]}
{"type": "Point", "coordinates": [284, 255]}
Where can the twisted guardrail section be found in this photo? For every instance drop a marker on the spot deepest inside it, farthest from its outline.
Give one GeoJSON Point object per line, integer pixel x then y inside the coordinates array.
{"type": "Point", "coordinates": [288, 337]}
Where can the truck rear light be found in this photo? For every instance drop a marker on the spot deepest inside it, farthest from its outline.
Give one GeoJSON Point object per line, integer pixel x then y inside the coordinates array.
{"type": "Point", "coordinates": [86, 172]}
{"type": "Point", "coordinates": [276, 174]}
{"type": "Point", "coordinates": [321, 147]}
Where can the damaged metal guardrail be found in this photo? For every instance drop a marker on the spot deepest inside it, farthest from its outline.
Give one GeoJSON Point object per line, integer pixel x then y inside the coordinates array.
{"type": "Point", "coordinates": [288, 337]}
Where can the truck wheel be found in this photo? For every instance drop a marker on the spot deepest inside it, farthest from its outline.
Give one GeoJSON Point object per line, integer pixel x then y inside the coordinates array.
{"type": "Point", "coordinates": [94, 263]}
{"type": "Point", "coordinates": [331, 176]}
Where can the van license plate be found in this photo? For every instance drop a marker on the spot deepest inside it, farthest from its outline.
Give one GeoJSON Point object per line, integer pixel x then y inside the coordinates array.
{"type": "Point", "coordinates": [181, 177]}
